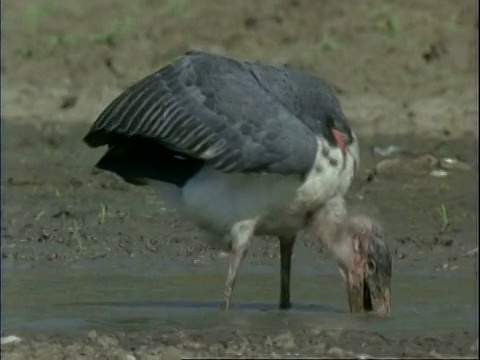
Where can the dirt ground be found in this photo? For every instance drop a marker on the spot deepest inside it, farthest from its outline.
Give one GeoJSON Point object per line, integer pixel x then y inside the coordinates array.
{"type": "Point", "coordinates": [406, 72]}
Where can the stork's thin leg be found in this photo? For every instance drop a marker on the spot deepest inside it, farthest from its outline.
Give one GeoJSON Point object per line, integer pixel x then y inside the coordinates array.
{"type": "Point", "coordinates": [241, 235]}
{"type": "Point", "coordinates": [286, 247]}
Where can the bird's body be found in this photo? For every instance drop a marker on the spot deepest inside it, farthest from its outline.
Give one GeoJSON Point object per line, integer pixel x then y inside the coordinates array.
{"type": "Point", "coordinates": [240, 148]}
{"type": "Point", "coordinates": [264, 140]}
{"type": "Point", "coordinates": [217, 200]}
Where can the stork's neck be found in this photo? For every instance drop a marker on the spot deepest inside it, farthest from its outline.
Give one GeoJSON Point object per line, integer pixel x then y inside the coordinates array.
{"type": "Point", "coordinates": [329, 226]}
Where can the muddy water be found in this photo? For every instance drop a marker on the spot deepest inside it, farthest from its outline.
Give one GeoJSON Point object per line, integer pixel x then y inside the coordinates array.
{"type": "Point", "coordinates": [133, 295]}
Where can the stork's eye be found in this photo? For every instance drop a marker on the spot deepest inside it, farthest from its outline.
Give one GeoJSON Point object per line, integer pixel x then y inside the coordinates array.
{"type": "Point", "coordinates": [371, 266]}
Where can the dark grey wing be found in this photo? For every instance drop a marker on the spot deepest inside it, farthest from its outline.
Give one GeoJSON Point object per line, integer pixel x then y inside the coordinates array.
{"type": "Point", "coordinates": [311, 99]}
{"type": "Point", "coordinates": [210, 108]}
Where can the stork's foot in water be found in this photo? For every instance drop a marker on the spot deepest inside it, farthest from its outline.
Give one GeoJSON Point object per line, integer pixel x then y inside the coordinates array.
{"type": "Point", "coordinates": [241, 235]}
{"type": "Point", "coordinates": [235, 260]}
{"type": "Point", "coordinates": [285, 305]}
{"type": "Point", "coordinates": [286, 248]}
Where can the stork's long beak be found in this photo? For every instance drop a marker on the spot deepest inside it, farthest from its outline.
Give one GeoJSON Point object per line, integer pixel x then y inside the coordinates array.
{"type": "Point", "coordinates": [379, 295]}
{"type": "Point", "coordinates": [355, 292]}
{"type": "Point", "coordinates": [366, 294]}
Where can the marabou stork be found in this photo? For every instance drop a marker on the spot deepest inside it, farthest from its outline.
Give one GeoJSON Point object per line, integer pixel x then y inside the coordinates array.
{"type": "Point", "coordinates": [246, 149]}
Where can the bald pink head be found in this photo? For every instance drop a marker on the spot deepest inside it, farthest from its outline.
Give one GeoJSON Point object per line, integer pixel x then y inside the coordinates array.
{"type": "Point", "coordinates": [357, 244]}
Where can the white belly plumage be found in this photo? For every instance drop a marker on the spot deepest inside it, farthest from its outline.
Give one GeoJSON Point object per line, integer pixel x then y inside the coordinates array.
{"type": "Point", "coordinates": [217, 200]}
{"type": "Point", "coordinates": [220, 200]}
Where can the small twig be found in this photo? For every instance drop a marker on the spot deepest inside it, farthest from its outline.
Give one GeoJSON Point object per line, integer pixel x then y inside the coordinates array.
{"type": "Point", "coordinates": [103, 213]}
{"type": "Point", "coordinates": [75, 230]}
{"type": "Point", "coordinates": [472, 252]}
{"type": "Point", "coordinates": [39, 215]}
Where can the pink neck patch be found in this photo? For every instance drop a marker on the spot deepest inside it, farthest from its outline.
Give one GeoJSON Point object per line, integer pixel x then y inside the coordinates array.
{"type": "Point", "coordinates": [338, 135]}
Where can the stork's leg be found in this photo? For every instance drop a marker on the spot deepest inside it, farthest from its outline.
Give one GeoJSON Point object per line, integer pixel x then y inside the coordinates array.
{"type": "Point", "coordinates": [241, 235]}
{"type": "Point", "coordinates": [286, 247]}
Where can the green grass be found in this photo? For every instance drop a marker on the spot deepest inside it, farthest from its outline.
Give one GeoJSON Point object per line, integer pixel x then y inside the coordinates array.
{"type": "Point", "coordinates": [25, 51]}
{"type": "Point", "coordinates": [393, 25]}
{"type": "Point", "coordinates": [444, 220]}
{"type": "Point", "coordinates": [313, 54]}
{"type": "Point", "coordinates": [112, 34]}
{"type": "Point", "coordinates": [451, 25]}
{"type": "Point", "coordinates": [329, 43]}
{"type": "Point", "coordinates": [174, 7]}
{"type": "Point", "coordinates": [61, 40]}
{"type": "Point", "coordinates": [33, 18]}
{"type": "Point", "coordinates": [37, 14]}
{"type": "Point", "coordinates": [385, 19]}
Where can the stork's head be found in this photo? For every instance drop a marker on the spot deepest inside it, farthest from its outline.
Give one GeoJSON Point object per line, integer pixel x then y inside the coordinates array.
{"type": "Point", "coordinates": [368, 270]}
{"type": "Point", "coordinates": [363, 257]}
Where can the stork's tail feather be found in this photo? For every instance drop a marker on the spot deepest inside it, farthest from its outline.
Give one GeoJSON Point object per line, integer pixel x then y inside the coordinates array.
{"type": "Point", "coordinates": [121, 161]}
{"type": "Point", "coordinates": [137, 162]}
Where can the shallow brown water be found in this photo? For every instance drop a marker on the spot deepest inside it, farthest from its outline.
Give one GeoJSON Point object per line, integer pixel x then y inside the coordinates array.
{"type": "Point", "coordinates": [141, 295]}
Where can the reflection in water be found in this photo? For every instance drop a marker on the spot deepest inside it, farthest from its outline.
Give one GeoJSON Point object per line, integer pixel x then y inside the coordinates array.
{"type": "Point", "coordinates": [209, 305]}
{"type": "Point", "coordinates": [140, 295]}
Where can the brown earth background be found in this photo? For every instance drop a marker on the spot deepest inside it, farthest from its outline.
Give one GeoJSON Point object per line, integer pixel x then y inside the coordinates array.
{"type": "Point", "coordinates": [399, 66]}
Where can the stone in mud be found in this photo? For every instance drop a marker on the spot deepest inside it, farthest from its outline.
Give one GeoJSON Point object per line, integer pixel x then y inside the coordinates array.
{"type": "Point", "coordinates": [419, 164]}
{"type": "Point", "coordinates": [422, 163]}
{"type": "Point", "coordinates": [46, 351]}
{"type": "Point", "coordinates": [340, 353]}
{"type": "Point", "coordinates": [103, 340]}
{"type": "Point", "coordinates": [284, 341]}
{"type": "Point", "coordinates": [12, 356]}
{"type": "Point", "coordinates": [474, 347]}
{"type": "Point", "coordinates": [454, 164]}
{"type": "Point", "coordinates": [162, 353]}
{"type": "Point", "coordinates": [11, 339]}
{"type": "Point", "coordinates": [74, 350]}
{"type": "Point", "coordinates": [216, 348]}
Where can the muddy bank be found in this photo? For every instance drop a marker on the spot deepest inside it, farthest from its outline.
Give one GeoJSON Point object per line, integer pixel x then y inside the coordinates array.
{"type": "Point", "coordinates": [58, 208]}
{"type": "Point", "coordinates": [399, 67]}
{"type": "Point", "coordinates": [221, 343]}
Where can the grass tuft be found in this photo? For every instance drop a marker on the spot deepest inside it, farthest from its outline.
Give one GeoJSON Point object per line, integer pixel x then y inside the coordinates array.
{"type": "Point", "coordinates": [37, 14]}
{"type": "Point", "coordinates": [445, 222]}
